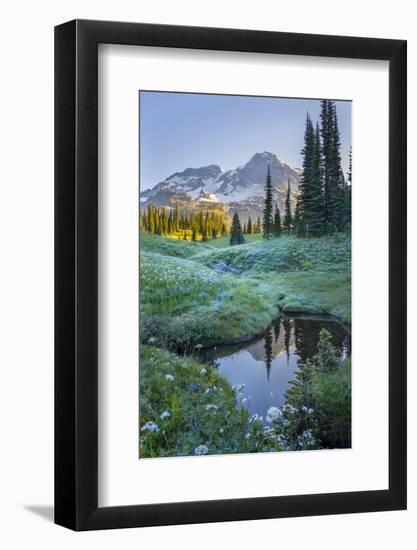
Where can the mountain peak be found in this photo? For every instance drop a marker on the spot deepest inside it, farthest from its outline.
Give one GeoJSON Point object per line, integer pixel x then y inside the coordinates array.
{"type": "Point", "coordinates": [242, 185]}
{"type": "Point", "coordinates": [266, 156]}
{"type": "Point", "coordinates": [212, 170]}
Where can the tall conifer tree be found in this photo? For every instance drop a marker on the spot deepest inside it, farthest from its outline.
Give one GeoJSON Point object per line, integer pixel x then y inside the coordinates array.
{"type": "Point", "coordinates": [277, 222]}
{"type": "Point", "coordinates": [348, 192]}
{"type": "Point", "coordinates": [310, 205]}
{"type": "Point", "coordinates": [287, 224]}
{"type": "Point", "coordinates": [296, 224]}
{"type": "Point", "coordinates": [176, 217]}
{"type": "Point", "coordinates": [236, 234]}
{"type": "Point", "coordinates": [249, 226]}
{"type": "Point", "coordinates": [333, 181]}
{"type": "Point", "coordinates": [267, 214]}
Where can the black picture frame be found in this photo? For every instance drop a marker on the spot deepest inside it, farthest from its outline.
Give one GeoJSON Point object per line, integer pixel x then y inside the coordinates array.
{"type": "Point", "coordinates": [76, 272]}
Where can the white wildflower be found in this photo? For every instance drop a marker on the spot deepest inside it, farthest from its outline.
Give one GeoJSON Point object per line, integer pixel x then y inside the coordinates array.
{"type": "Point", "coordinates": [221, 431]}
{"type": "Point", "coordinates": [201, 450]}
{"type": "Point", "coordinates": [152, 340]}
{"type": "Point", "coordinates": [203, 371]}
{"type": "Point", "coordinates": [308, 434]}
{"type": "Point", "coordinates": [306, 439]}
{"type": "Point", "coordinates": [273, 413]}
{"type": "Point", "coordinates": [165, 414]}
{"type": "Point", "coordinates": [169, 377]}
{"type": "Point", "coordinates": [289, 409]}
{"type": "Point", "coordinates": [211, 407]}
{"type": "Point", "coordinates": [268, 430]}
{"type": "Point", "coordinates": [150, 427]}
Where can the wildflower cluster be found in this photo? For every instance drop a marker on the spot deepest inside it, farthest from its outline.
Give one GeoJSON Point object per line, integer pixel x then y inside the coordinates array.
{"type": "Point", "coordinates": [188, 411]}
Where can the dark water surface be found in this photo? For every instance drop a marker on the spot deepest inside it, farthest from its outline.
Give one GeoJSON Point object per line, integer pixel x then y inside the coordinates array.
{"type": "Point", "coordinates": [268, 363]}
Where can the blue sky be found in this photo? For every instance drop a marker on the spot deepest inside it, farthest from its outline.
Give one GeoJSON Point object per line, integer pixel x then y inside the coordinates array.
{"type": "Point", "coordinates": [179, 130]}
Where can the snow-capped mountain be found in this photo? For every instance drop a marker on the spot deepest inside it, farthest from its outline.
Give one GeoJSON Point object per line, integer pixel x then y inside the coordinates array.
{"type": "Point", "coordinates": [241, 189]}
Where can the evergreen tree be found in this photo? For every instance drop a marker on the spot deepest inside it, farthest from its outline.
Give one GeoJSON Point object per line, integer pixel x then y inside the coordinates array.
{"type": "Point", "coordinates": [194, 232]}
{"type": "Point", "coordinates": [325, 119]}
{"type": "Point", "coordinates": [297, 218]}
{"type": "Point", "coordinates": [244, 228]}
{"type": "Point", "coordinates": [277, 222]}
{"type": "Point", "coordinates": [258, 225]}
{"type": "Point", "coordinates": [310, 204]}
{"type": "Point", "coordinates": [236, 234]}
{"type": "Point", "coordinates": [267, 214]}
{"type": "Point", "coordinates": [349, 174]}
{"type": "Point", "coordinates": [176, 217]}
{"type": "Point", "coordinates": [201, 222]}
{"type": "Point", "coordinates": [338, 177]}
{"type": "Point", "coordinates": [327, 358]}
{"type": "Point", "coordinates": [317, 198]}
{"type": "Point", "coordinates": [287, 225]}
{"type": "Point", "coordinates": [333, 185]}
{"type": "Point", "coordinates": [348, 192]}
{"type": "Point", "coordinates": [151, 220]}
{"type": "Point", "coordinates": [249, 226]}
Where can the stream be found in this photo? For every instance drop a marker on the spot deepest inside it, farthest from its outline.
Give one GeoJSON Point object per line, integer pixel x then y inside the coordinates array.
{"type": "Point", "coordinates": [267, 364]}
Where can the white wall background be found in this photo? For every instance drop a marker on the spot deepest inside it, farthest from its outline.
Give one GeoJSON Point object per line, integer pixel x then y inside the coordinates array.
{"type": "Point", "coordinates": [26, 289]}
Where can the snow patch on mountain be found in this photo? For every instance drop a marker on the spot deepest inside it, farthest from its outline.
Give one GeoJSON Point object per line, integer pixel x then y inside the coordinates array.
{"type": "Point", "coordinates": [241, 188]}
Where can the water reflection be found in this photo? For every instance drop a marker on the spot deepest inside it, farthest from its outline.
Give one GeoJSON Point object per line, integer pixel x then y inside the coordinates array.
{"type": "Point", "coordinates": [267, 364]}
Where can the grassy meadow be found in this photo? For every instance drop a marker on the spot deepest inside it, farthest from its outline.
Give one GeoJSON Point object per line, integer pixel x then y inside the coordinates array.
{"type": "Point", "coordinates": [199, 294]}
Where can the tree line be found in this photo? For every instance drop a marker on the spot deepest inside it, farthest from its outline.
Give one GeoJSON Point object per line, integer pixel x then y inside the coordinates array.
{"type": "Point", "coordinates": [171, 222]}
{"type": "Point", "coordinates": [323, 205]}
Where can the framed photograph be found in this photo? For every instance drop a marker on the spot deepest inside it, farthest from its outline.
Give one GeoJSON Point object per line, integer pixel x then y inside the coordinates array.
{"type": "Point", "coordinates": [230, 253]}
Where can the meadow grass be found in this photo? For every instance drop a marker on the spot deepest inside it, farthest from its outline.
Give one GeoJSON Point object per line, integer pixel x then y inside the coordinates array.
{"type": "Point", "coordinates": [284, 254]}
{"type": "Point", "coordinates": [187, 408]}
{"type": "Point", "coordinates": [170, 246]}
{"type": "Point", "coordinates": [185, 303]}
{"type": "Point", "coordinates": [314, 292]}
{"type": "Point", "coordinates": [222, 242]}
